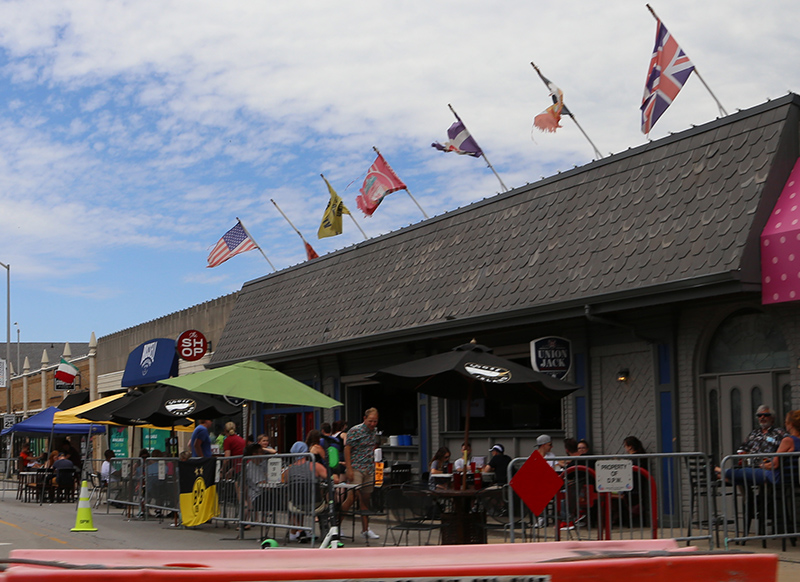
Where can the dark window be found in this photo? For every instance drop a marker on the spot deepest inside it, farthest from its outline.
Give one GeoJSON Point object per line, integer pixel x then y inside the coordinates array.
{"type": "Point", "coordinates": [736, 417]}
{"type": "Point", "coordinates": [747, 341]}
{"type": "Point", "coordinates": [493, 415]}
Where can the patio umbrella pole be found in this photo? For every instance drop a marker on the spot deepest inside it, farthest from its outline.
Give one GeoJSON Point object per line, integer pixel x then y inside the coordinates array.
{"type": "Point", "coordinates": [466, 438]}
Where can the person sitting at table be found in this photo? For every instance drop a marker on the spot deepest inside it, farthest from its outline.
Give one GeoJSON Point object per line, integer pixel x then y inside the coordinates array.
{"type": "Point", "coordinates": [263, 442]}
{"type": "Point", "coordinates": [768, 469]}
{"type": "Point", "coordinates": [789, 468]}
{"type": "Point", "coordinates": [299, 475]}
{"type": "Point", "coordinates": [26, 459]}
{"type": "Point", "coordinates": [108, 475]}
{"type": "Point", "coordinates": [438, 465]}
{"type": "Point", "coordinates": [48, 464]}
{"type": "Point", "coordinates": [571, 448]}
{"type": "Point", "coordinates": [584, 448]}
{"type": "Point", "coordinates": [258, 496]}
{"type": "Point", "coordinates": [498, 464]}
{"type": "Point", "coordinates": [64, 475]}
{"type": "Point", "coordinates": [466, 453]}
{"type": "Point", "coordinates": [544, 444]}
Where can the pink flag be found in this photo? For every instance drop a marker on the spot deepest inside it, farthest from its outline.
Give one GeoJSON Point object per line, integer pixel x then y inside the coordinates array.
{"type": "Point", "coordinates": [380, 181]}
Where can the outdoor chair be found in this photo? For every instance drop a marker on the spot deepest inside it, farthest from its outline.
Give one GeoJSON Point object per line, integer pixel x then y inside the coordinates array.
{"type": "Point", "coordinates": [698, 469]}
{"type": "Point", "coordinates": [408, 509]}
{"type": "Point", "coordinates": [98, 487]}
{"type": "Point", "coordinates": [64, 485]}
{"type": "Point", "coordinates": [375, 507]}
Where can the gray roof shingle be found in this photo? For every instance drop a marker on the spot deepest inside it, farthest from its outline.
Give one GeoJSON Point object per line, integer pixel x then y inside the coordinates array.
{"type": "Point", "coordinates": [678, 211]}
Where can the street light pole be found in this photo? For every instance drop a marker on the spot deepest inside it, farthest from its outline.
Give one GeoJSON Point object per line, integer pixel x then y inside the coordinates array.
{"type": "Point", "coordinates": [8, 333]}
{"type": "Point", "coordinates": [19, 370]}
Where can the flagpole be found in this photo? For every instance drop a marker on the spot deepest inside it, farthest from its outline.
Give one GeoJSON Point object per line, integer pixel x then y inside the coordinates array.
{"type": "Point", "coordinates": [350, 214]}
{"type": "Point", "coordinates": [244, 228]}
{"type": "Point", "coordinates": [696, 72]}
{"type": "Point", "coordinates": [483, 152]}
{"type": "Point", "coordinates": [571, 115]}
{"type": "Point", "coordinates": [407, 191]}
{"type": "Point", "coordinates": [289, 221]}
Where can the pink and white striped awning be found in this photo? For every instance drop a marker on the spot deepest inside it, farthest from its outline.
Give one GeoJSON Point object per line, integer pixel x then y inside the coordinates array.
{"type": "Point", "coordinates": [780, 246]}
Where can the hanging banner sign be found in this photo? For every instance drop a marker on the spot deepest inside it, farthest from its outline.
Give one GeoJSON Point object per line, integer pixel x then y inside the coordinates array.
{"type": "Point", "coordinates": [552, 355]}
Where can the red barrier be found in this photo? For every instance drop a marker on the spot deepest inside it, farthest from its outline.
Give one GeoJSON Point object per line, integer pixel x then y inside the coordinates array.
{"type": "Point", "coordinates": [605, 561]}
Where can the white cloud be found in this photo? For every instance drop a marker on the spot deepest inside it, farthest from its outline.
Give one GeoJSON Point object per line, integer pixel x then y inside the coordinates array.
{"type": "Point", "coordinates": [146, 127]}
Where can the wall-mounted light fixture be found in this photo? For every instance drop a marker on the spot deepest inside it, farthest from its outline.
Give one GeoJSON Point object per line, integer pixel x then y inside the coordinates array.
{"type": "Point", "coordinates": [623, 375]}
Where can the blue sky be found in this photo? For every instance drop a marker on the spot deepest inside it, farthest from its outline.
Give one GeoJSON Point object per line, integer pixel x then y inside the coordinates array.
{"type": "Point", "coordinates": [133, 133]}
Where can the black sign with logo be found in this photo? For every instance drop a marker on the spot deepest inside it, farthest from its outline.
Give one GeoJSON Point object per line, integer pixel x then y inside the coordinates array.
{"type": "Point", "coordinates": [552, 355]}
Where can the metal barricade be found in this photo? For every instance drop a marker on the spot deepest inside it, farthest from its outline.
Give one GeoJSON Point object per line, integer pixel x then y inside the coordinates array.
{"type": "Point", "coordinates": [764, 499]}
{"type": "Point", "coordinates": [280, 492]}
{"type": "Point", "coordinates": [126, 486]}
{"type": "Point", "coordinates": [161, 488]}
{"type": "Point", "coordinates": [9, 475]}
{"type": "Point", "coordinates": [658, 496]}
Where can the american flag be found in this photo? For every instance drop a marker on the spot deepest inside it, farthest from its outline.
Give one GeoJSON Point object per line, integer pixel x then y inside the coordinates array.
{"type": "Point", "coordinates": [669, 70]}
{"type": "Point", "coordinates": [232, 243]}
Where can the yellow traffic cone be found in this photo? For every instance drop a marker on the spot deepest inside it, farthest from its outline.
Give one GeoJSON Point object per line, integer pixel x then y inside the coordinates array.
{"type": "Point", "coordinates": [83, 522]}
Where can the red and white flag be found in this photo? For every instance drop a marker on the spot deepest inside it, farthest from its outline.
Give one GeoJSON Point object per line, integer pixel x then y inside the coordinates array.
{"type": "Point", "coordinates": [310, 252]}
{"type": "Point", "coordinates": [233, 242]}
{"type": "Point", "coordinates": [66, 372]}
{"type": "Point", "coordinates": [549, 119]}
{"type": "Point", "coordinates": [380, 181]}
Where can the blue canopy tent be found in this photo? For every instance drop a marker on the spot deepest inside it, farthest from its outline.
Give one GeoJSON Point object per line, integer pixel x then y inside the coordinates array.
{"type": "Point", "coordinates": [44, 423]}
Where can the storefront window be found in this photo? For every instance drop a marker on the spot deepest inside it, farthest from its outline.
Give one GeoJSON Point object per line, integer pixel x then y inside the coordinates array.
{"type": "Point", "coordinates": [736, 416]}
{"type": "Point", "coordinates": [747, 341]}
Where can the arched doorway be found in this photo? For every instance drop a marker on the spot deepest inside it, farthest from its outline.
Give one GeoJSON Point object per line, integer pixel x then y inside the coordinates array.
{"type": "Point", "coordinates": [746, 365]}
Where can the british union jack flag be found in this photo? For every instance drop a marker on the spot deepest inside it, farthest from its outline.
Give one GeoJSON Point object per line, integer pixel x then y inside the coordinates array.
{"type": "Point", "coordinates": [669, 70]}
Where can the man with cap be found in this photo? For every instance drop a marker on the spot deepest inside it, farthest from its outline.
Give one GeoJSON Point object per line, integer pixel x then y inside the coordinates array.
{"type": "Point", "coordinates": [545, 447]}
{"type": "Point", "coordinates": [498, 464]}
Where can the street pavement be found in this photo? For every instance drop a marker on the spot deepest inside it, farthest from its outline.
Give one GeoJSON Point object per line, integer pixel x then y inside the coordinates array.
{"type": "Point", "coordinates": [31, 526]}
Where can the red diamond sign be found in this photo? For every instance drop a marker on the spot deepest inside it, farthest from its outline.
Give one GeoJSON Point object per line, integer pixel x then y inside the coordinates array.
{"type": "Point", "coordinates": [536, 483]}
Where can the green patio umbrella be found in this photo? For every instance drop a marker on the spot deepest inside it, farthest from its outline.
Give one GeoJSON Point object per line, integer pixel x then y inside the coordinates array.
{"type": "Point", "coordinates": [254, 381]}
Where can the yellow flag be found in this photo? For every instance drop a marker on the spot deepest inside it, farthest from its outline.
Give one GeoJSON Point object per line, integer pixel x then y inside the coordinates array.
{"type": "Point", "coordinates": [332, 219]}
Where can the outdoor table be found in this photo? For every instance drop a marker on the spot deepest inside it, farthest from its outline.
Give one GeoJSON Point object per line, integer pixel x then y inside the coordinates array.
{"type": "Point", "coordinates": [463, 521]}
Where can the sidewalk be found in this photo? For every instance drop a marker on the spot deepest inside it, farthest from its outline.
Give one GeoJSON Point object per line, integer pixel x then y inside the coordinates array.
{"type": "Point", "coordinates": [29, 525]}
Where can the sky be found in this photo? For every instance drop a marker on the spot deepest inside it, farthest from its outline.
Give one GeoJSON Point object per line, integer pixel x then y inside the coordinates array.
{"type": "Point", "coordinates": [133, 134]}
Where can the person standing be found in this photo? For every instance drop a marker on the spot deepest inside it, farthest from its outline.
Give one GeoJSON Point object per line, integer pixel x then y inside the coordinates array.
{"type": "Point", "coordinates": [233, 446]}
{"type": "Point", "coordinates": [359, 459]}
{"type": "Point", "coordinates": [200, 445]}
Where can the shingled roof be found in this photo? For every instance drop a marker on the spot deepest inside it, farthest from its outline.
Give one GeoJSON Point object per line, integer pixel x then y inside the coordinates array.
{"type": "Point", "coordinates": [681, 214]}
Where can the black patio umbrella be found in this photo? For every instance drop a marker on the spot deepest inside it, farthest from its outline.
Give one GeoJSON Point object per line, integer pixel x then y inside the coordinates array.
{"type": "Point", "coordinates": [472, 371]}
{"type": "Point", "coordinates": [104, 412]}
{"type": "Point", "coordinates": [164, 406]}
{"type": "Point", "coordinates": [170, 406]}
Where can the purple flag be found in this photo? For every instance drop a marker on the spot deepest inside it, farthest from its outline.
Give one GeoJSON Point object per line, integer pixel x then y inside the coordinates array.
{"type": "Point", "coordinates": [460, 142]}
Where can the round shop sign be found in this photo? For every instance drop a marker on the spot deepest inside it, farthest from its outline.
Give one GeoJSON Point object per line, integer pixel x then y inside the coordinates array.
{"type": "Point", "coordinates": [191, 345]}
